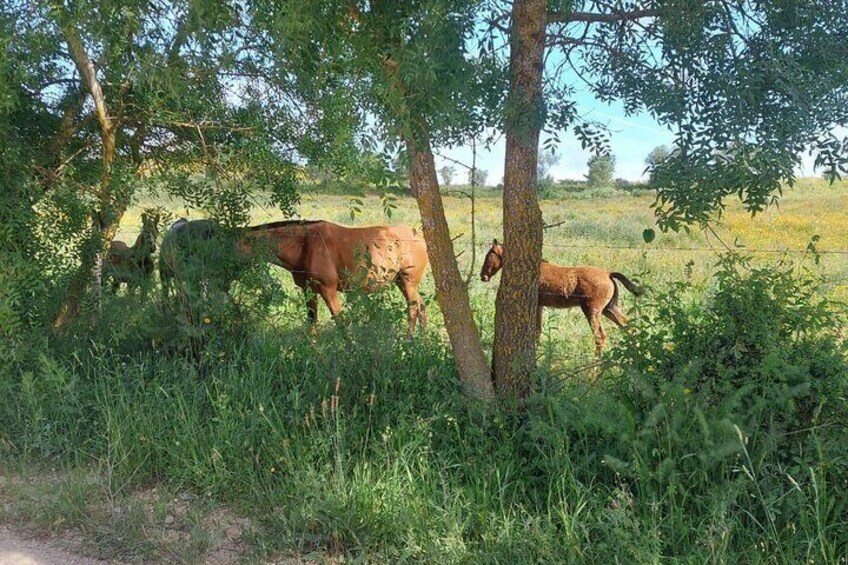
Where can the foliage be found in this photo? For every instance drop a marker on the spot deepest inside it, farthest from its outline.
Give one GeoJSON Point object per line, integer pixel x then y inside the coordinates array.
{"type": "Point", "coordinates": [359, 444]}
{"type": "Point", "coordinates": [655, 158]}
{"type": "Point", "coordinates": [761, 353]}
{"type": "Point", "coordinates": [601, 170]}
{"type": "Point", "coordinates": [182, 125]}
{"type": "Point", "coordinates": [340, 54]}
{"type": "Point", "coordinates": [477, 177]}
{"type": "Point", "coordinates": [747, 88]}
{"type": "Point", "coordinates": [447, 173]}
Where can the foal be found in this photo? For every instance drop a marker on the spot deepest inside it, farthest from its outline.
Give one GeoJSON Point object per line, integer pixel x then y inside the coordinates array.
{"type": "Point", "coordinates": [592, 288]}
{"type": "Point", "coordinates": [132, 265]}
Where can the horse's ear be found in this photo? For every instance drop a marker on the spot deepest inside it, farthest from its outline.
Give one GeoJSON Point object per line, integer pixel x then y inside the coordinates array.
{"type": "Point", "coordinates": [494, 242]}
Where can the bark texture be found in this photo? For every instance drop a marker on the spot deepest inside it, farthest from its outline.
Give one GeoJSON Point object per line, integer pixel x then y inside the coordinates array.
{"type": "Point", "coordinates": [451, 291]}
{"type": "Point", "coordinates": [514, 357]}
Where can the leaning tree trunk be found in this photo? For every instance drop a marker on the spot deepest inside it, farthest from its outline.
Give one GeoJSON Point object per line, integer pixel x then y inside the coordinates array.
{"type": "Point", "coordinates": [451, 291]}
{"type": "Point", "coordinates": [105, 221]}
{"type": "Point", "coordinates": [514, 355]}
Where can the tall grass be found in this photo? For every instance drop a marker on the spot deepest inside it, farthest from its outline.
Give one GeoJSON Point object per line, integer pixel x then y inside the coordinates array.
{"type": "Point", "coordinates": [357, 442]}
{"type": "Point", "coordinates": [713, 432]}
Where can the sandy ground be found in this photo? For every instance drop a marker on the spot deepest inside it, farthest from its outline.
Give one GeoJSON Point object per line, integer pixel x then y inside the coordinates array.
{"type": "Point", "coordinates": [18, 550]}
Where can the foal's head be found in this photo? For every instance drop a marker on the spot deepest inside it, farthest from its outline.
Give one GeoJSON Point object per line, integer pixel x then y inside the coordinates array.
{"type": "Point", "coordinates": [149, 230]}
{"type": "Point", "coordinates": [493, 262]}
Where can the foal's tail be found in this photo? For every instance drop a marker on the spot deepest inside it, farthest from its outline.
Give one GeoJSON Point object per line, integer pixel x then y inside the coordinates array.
{"type": "Point", "coordinates": [628, 284]}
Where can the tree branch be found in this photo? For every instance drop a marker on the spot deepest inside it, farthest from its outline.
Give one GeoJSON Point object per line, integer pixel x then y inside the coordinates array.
{"type": "Point", "coordinates": [591, 17]}
{"type": "Point", "coordinates": [68, 127]}
{"type": "Point", "coordinates": [85, 66]}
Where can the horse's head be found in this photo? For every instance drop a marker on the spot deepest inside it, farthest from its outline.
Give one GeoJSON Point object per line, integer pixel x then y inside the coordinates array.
{"type": "Point", "coordinates": [493, 262]}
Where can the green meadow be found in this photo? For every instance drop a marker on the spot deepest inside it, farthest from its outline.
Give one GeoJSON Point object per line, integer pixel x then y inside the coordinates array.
{"type": "Point", "coordinates": [712, 431]}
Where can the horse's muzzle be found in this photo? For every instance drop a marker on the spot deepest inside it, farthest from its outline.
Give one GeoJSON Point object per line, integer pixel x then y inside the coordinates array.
{"type": "Point", "coordinates": [484, 278]}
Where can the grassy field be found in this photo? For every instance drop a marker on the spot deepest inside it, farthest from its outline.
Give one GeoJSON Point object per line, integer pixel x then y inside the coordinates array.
{"type": "Point", "coordinates": [712, 433]}
{"type": "Point", "coordinates": [607, 232]}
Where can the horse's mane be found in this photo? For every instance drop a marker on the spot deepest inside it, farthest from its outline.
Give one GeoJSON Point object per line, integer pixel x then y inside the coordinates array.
{"type": "Point", "coordinates": [284, 223]}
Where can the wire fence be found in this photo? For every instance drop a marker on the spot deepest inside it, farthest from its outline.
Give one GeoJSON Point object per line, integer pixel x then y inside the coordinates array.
{"type": "Point", "coordinates": [135, 230]}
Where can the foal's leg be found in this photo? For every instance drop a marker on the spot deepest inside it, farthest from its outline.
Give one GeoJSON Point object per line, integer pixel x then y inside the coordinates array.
{"type": "Point", "coordinates": [616, 315]}
{"type": "Point", "coordinates": [593, 316]}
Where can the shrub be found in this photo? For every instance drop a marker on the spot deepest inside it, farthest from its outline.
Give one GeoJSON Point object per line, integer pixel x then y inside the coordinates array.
{"type": "Point", "coordinates": [630, 186]}
{"type": "Point", "coordinates": [760, 353]}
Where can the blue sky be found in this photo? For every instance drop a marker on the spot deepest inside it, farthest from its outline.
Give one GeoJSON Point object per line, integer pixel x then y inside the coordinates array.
{"type": "Point", "coordinates": [632, 138]}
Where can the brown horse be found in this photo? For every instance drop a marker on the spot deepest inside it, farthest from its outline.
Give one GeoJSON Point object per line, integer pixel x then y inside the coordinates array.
{"type": "Point", "coordinates": [326, 258]}
{"type": "Point", "coordinates": [323, 258]}
{"type": "Point", "coordinates": [132, 265]}
{"type": "Point", "coordinates": [592, 288]}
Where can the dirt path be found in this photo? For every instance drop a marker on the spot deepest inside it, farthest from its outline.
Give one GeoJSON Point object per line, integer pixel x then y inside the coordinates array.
{"type": "Point", "coordinates": [17, 550]}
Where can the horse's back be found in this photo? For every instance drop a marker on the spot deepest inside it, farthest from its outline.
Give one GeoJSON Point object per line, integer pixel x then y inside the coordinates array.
{"type": "Point", "coordinates": [118, 248]}
{"type": "Point", "coordinates": [179, 238]}
{"type": "Point", "coordinates": [385, 251]}
{"type": "Point", "coordinates": [565, 286]}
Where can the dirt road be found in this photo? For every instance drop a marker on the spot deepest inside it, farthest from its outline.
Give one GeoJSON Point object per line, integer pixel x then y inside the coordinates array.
{"type": "Point", "coordinates": [17, 550]}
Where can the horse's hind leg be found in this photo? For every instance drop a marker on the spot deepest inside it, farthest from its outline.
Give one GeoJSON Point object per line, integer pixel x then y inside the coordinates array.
{"type": "Point", "coordinates": [615, 314]}
{"type": "Point", "coordinates": [311, 308]}
{"type": "Point", "coordinates": [311, 294]}
{"type": "Point", "coordinates": [593, 316]}
{"type": "Point", "coordinates": [331, 298]}
{"type": "Point", "coordinates": [415, 306]}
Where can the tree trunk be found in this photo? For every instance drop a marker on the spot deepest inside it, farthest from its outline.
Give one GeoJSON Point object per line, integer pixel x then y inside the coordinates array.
{"type": "Point", "coordinates": [514, 356]}
{"type": "Point", "coordinates": [105, 222]}
{"type": "Point", "coordinates": [451, 291]}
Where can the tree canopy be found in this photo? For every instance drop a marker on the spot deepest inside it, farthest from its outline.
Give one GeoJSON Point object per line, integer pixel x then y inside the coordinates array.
{"type": "Point", "coordinates": [151, 94]}
{"type": "Point", "coordinates": [747, 87]}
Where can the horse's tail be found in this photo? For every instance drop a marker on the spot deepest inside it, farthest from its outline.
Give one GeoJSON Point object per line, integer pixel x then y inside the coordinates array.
{"type": "Point", "coordinates": [637, 290]}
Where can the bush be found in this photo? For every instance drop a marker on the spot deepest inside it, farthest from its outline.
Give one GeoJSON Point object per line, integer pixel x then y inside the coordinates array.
{"type": "Point", "coordinates": [630, 186]}
{"type": "Point", "coordinates": [757, 366]}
